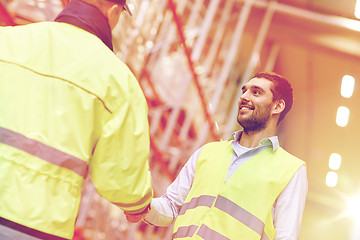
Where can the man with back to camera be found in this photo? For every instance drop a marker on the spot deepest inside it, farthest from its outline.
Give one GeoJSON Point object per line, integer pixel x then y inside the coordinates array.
{"type": "Point", "coordinates": [68, 108]}
{"type": "Point", "coordinates": [247, 188]}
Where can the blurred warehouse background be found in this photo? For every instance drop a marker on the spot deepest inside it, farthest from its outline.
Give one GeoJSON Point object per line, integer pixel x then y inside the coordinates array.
{"type": "Point", "coordinates": [191, 59]}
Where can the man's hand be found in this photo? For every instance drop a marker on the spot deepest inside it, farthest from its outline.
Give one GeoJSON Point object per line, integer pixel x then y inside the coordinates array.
{"type": "Point", "coordinates": [134, 218]}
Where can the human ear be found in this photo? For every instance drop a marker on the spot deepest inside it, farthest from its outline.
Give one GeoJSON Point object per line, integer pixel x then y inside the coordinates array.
{"type": "Point", "coordinates": [279, 106]}
{"type": "Point", "coordinates": [114, 15]}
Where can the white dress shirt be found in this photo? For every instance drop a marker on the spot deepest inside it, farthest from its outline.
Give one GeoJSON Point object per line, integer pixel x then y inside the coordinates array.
{"type": "Point", "coordinates": [287, 210]}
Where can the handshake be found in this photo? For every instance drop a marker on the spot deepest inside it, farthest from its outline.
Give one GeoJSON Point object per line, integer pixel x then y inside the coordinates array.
{"type": "Point", "coordinates": [137, 217]}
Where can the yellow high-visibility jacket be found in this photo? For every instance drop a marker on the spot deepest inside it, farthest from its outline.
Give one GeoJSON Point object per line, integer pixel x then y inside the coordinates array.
{"type": "Point", "coordinates": [68, 107]}
{"type": "Point", "coordinates": [240, 208]}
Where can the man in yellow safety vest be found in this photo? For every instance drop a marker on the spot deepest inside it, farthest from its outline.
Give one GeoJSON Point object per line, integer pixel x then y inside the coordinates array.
{"type": "Point", "coordinates": [247, 188]}
{"type": "Point", "coordinates": [69, 108]}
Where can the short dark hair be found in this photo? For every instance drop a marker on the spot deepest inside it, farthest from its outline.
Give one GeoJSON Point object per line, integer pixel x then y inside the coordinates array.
{"type": "Point", "coordinates": [281, 90]}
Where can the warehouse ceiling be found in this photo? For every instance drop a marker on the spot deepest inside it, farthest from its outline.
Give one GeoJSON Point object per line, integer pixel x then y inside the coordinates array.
{"type": "Point", "coordinates": [316, 43]}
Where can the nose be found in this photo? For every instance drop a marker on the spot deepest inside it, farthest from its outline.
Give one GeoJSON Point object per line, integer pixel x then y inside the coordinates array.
{"type": "Point", "coordinates": [243, 99]}
{"type": "Point", "coordinates": [244, 96]}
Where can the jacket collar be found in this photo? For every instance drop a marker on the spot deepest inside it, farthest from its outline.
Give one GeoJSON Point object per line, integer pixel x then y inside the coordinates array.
{"type": "Point", "coordinates": [89, 18]}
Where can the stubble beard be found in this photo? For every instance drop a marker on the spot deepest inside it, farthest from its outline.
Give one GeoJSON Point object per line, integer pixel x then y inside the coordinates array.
{"type": "Point", "coordinates": [256, 122]}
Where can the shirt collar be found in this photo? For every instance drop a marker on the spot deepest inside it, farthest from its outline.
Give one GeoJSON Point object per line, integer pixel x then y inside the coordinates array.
{"type": "Point", "coordinates": [87, 17]}
{"type": "Point", "coordinates": [270, 141]}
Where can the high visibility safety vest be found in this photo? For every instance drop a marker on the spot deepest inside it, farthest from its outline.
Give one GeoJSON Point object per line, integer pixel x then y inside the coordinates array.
{"type": "Point", "coordinates": [68, 107]}
{"type": "Point", "coordinates": [240, 208]}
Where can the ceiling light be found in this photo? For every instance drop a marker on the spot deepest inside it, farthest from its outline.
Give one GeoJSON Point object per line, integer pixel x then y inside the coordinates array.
{"type": "Point", "coordinates": [342, 116]}
{"type": "Point", "coordinates": [347, 86]}
{"type": "Point", "coordinates": [334, 161]}
{"type": "Point", "coordinates": [331, 179]}
{"type": "Point", "coordinates": [357, 9]}
{"type": "Point", "coordinates": [354, 207]}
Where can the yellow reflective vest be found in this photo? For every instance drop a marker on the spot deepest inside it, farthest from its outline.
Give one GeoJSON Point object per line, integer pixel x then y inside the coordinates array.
{"type": "Point", "coordinates": [240, 208]}
{"type": "Point", "coordinates": [68, 108]}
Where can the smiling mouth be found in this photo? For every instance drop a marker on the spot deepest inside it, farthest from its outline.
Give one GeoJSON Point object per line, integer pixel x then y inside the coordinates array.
{"type": "Point", "coordinates": [246, 107]}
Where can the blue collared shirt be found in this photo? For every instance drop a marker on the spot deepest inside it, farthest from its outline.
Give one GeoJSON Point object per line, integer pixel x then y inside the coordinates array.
{"type": "Point", "coordinates": [242, 154]}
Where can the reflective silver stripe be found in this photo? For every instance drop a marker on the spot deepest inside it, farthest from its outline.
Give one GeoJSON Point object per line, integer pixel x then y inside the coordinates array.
{"type": "Point", "coordinates": [264, 237]}
{"type": "Point", "coordinates": [141, 201]}
{"type": "Point", "coordinates": [187, 231]}
{"type": "Point", "coordinates": [241, 215]}
{"type": "Point", "coordinates": [224, 205]}
{"type": "Point", "coordinates": [208, 234]}
{"type": "Point", "coordinates": [45, 152]}
{"type": "Point", "coordinates": [204, 200]}
{"type": "Point", "coordinates": [205, 232]}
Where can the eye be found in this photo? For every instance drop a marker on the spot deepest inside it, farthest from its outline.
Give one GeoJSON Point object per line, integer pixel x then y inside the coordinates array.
{"type": "Point", "coordinates": [256, 92]}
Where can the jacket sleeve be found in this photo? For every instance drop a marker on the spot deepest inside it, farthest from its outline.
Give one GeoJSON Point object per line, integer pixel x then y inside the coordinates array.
{"type": "Point", "coordinates": [119, 167]}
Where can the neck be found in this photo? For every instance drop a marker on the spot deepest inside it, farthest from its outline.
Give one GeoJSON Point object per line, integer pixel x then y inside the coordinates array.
{"type": "Point", "coordinates": [251, 139]}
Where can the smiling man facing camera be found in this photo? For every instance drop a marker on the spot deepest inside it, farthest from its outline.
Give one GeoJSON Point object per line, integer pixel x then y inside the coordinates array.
{"type": "Point", "coordinates": [246, 188]}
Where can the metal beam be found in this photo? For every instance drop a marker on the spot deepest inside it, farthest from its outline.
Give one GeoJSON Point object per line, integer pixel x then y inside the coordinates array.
{"type": "Point", "coordinates": [5, 17]}
{"type": "Point", "coordinates": [331, 20]}
{"type": "Point", "coordinates": [179, 26]}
